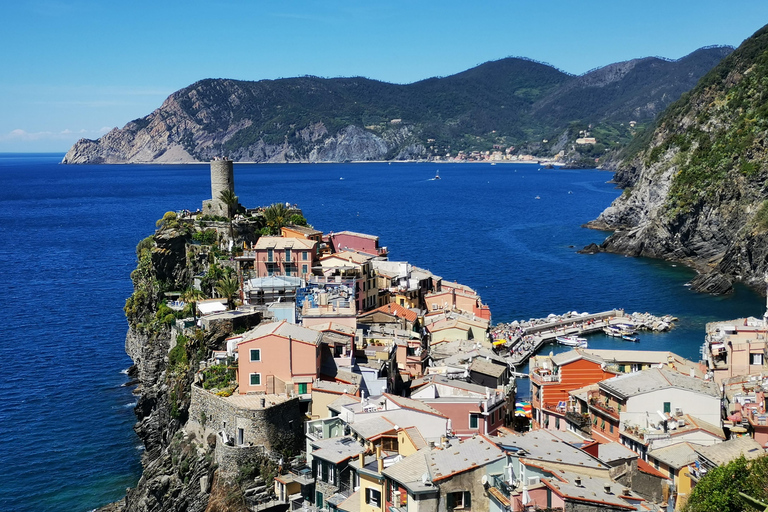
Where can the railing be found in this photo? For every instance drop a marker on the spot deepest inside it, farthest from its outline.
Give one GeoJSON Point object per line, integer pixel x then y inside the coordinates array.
{"type": "Point", "coordinates": [546, 377]}
{"type": "Point", "coordinates": [578, 419]}
{"type": "Point", "coordinates": [500, 483]}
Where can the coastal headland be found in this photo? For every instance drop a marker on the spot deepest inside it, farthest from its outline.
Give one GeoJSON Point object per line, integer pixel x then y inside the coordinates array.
{"type": "Point", "coordinates": [217, 290]}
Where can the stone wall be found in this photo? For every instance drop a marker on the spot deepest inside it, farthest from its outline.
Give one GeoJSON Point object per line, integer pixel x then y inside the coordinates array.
{"type": "Point", "coordinates": [277, 427]}
{"type": "Point", "coordinates": [230, 458]}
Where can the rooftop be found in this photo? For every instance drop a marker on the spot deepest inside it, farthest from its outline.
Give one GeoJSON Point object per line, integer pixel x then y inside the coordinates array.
{"type": "Point", "coordinates": [723, 453]}
{"type": "Point", "coordinates": [487, 367]}
{"type": "Point", "coordinates": [586, 488]}
{"type": "Point", "coordinates": [279, 242]}
{"type": "Point", "coordinates": [676, 455]}
{"type": "Point", "coordinates": [656, 379]}
{"type": "Point", "coordinates": [284, 329]}
{"type": "Point", "coordinates": [541, 445]}
{"type": "Point", "coordinates": [613, 452]}
{"type": "Point", "coordinates": [336, 449]}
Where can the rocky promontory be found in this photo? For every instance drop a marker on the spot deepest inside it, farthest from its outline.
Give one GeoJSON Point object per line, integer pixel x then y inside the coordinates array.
{"type": "Point", "coordinates": [694, 188]}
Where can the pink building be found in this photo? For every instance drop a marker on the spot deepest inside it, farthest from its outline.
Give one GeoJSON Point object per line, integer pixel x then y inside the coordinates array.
{"type": "Point", "coordinates": [356, 242]}
{"type": "Point", "coordinates": [278, 358]}
{"type": "Point", "coordinates": [457, 296]}
{"type": "Point", "coordinates": [276, 255]}
{"type": "Point", "coordinates": [472, 409]}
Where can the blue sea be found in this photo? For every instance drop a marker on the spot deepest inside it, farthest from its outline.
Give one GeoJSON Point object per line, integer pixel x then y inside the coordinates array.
{"type": "Point", "coordinates": [68, 235]}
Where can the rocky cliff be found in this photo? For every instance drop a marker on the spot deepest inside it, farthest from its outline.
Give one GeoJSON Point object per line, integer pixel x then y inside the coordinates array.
{"type": "Point", "coordinates": [504, 103]}
{"type": "Point", "coordinates": [695, 188]}
{"type": "Point", "coordinates": [181, 471]}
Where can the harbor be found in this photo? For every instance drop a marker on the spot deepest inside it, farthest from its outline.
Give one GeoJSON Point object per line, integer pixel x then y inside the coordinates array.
{"type": "Point", "coordinates": [523, 339]}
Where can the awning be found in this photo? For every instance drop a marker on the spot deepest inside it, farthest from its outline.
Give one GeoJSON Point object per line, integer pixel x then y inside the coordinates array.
{"type": "Point", "coordinates": [207, 308]}
{"type": "Point", "coordinates": [499, 342]}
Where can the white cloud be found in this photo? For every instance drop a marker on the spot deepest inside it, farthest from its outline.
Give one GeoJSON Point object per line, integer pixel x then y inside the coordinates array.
{"type": "Point", "coordinates": [20, 135]}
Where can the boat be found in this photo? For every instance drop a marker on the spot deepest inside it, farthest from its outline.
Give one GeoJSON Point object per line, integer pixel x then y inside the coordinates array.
{"type": "Point", "coordinates": [629, 337]}
{"type": "Point", "coordinates": [619, 330]}
{"type": "Point", "coordinates": [572, 341]}
{"type": "Point", "coordinates": [437, 175]}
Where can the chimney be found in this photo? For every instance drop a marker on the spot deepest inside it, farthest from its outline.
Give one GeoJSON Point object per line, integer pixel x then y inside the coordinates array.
{"type": "Point", "coordinates": [607, 488]}
{"type": "Point", "coordinates": [379, 459]}
{"type": "Point", "coordinates": [577, 481]}
{"type": "Point", "coordinates": [362, 460]}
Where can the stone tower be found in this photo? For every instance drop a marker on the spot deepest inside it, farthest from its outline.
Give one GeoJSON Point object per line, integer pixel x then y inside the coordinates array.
{"type": "Point", "coordinates": [222, 178]}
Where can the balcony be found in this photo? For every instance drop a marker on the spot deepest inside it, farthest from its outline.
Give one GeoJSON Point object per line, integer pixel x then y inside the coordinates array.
{"type": "Point", "coordinates": [604, 408]}
{"type": "Point", "coordinates": [581, 420]}
{"type": "Point", "coordinates": [541, 375]}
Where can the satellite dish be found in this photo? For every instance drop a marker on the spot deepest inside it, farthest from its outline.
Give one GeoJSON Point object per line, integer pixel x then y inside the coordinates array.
{"type": "Point", "coordinates": [484, 480]}
{"type": "Point", "coordinates": [424, 478]}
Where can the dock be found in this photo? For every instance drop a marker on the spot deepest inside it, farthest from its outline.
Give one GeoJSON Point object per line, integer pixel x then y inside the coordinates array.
{"type": "Point", "coordinates": [530, 340]}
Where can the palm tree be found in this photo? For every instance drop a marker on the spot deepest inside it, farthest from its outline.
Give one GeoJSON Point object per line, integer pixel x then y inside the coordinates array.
{"type": "Point", "coordinates": [227, 287]}
{"type": "Point", "coordinates": [275, 217]}
{"type": "Point", "coordinates": [191, 296]}
{"type": "Point", "coordinates": [230, 200]}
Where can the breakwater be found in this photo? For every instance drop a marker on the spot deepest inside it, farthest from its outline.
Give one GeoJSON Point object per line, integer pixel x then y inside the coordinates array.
{"type": "Point", "coordinates": [524, 338]}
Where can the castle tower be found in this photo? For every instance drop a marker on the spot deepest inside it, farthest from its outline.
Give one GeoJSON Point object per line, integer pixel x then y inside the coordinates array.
{"type": "Point", "coordinates": [222, 178]}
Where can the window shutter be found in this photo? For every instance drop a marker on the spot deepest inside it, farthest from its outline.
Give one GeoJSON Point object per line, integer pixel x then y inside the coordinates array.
{"type": "Point", "coordinates": [467, 500]}
{"type": "Point", "coordinates": [449, 500]}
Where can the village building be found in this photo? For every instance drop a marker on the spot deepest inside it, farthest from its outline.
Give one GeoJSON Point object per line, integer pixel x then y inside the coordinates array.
{"type": "Point", "coordinates": [355, 266]}
{"type": "Point", "coordinates": [279, 357]}
{"type": "Point", "coordinates": [401, 283]}
{"type": "Point", "coordinates": [349, 241]}
{"type": "Point", "coordinates": [277, 255]}
{"type": "Point", "coordinates": [736, 348]}
{"type": "Point", "coordinates": [623, 408]}
{"type": "Point", "coordinates": [471, 409]}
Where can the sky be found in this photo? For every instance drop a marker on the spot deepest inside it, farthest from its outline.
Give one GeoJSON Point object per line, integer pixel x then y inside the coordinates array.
{"type": "Point", "coordinates": [78, 68]}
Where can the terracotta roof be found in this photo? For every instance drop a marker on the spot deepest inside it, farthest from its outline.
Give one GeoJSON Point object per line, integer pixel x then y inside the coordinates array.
{"type": "Point", "coordinates": [395, 310]}
{"type": "Point", "coordinates": [648, 469]}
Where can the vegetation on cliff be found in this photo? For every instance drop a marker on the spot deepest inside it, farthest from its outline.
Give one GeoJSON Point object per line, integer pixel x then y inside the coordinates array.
{"type": "Point", "coordinates": [510, 102]}
{"type": "Point", "coordinates": [180, 472]}
{"type": "Point", "coordinates": [699, 178]}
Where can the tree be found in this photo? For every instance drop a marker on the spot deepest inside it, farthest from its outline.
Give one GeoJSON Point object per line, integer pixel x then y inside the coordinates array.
{"type": "Point", "coordinates": [230, 200]}
{"type": "Point", "coordinates": [227, 287]}
{"type": "Point", "coordinates": [275, 217]}
{"type": "Point", "coordinates": [718, 490]}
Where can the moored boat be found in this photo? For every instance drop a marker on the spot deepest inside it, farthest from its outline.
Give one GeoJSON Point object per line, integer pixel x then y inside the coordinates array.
{"type": "Point", "coordinates": [572, 341]}
{"type": "Point", "coordinates": [629, 337]}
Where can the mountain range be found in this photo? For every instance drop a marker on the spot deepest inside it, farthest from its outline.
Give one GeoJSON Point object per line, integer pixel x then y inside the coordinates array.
{"type": "Point", "coordinates": [513, 103]}
{"type": "Point", "coordinates": [696, 186]}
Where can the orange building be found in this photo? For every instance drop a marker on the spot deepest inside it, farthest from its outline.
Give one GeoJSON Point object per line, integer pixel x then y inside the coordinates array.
{"type": "Point", "coordinates": [553, 377]}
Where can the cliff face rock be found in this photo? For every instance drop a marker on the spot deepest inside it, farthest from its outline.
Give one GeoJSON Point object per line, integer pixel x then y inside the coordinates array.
{"type": "Point", "coordinates": [310, 119]}
{"type": "Point", "coordinates": [696, 192]}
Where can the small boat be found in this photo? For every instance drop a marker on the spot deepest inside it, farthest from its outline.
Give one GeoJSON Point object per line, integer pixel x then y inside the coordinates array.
{"type": "Point", "coordinates": [628, 337]}
{"type": "Point", "coordinates": [437, 175]}
{"type": "Point", "coordinates": [613, 330]}
{"type": "Point", "coordinates": [572, 341]}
